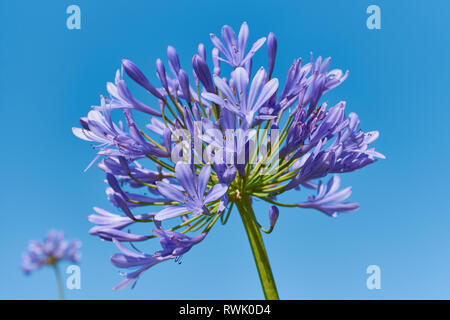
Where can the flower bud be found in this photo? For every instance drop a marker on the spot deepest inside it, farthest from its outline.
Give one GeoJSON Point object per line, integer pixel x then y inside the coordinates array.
{"type": "Point", "coordinates": [271, 51]}
{"type": "Point", "coordinates": [161, 72]}
{"type": "Point", "coordinates": [134, 73]}
{"type": "Point", "coordinates": [184, 85]}
{"type": "Point", "coordinates": [174, 61]}
{"type": "Point", "coordinates": [273, 216]}
{"type": "Point", "coordinates": [216, 61]}
{"type": "Point", "coordinates": [202, 71]}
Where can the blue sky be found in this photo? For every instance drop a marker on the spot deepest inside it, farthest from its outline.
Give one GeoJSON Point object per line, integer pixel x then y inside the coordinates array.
{"type": "Point", "coordinates": [398, 84]}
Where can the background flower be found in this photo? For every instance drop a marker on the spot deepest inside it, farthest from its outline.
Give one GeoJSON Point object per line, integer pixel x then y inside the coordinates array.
{"type": "Point", "coordinates": [53, 249]}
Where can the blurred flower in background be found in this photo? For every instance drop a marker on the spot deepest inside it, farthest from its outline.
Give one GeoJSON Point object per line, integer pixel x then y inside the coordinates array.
{"type": "Point", "coordinates": [49, 252]}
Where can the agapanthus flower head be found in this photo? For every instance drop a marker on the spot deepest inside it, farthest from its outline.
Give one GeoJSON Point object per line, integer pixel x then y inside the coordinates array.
{"type": "Point", "coordinates": [216, 141]}
{"type": "Point", "coordinates": [48, 252]}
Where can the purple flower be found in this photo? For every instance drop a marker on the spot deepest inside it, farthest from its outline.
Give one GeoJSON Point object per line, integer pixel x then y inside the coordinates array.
{"type": "Point", "coordinates": [192, 195]}
{"type": "Point", "coordinates": [53, 249]}
{"type": "Point", "coordinates": [132, 174]}
{"type": "Point", "coordinates": [130, 259]}
{"type": "Point", "coordinates": [321, 82]}
{"type": "Point", "coordinates": [271, 52]}
{"type": "Point", "coordinates": [313, 165]}
{"type": "Point", "coordinates": [332, 123]}
{"type": "Point", "coordinates": [231, 151]}
{"type": "Point", "coordinates": [329, 199]}
{"type": "Point", "coordinates": [306, 84]}
{"type": "Point", "coordinates": [174, 61]}
{"type": "Point", "coordinates": [203, 73]}
{"type": "Point", "coordinates": [108, 220]}
{"type": "Point", "coordinates": [296, 81]}
{"type": "Point", "coordinates": [119, 235]}
{"type": "Point", "coordinates": [114, 141]}
{"type": "Point", "coordinates": [109, 225]}
{"type": "Point", "coordinates": [121, 97]}
{"type": "Point", "coordinates": [348, 152]}
{"type": "Point", "coordinates": [216, 61]}
{"type": "Point", "coordinates": [353, 147]}
{"type": "Point", "coordinates": [226, 173]}
{"type": "Point", "coordinates": [184, 85]}
{"type": "Point", "coordinates": [161, 72]}
{"type": "Point", "coordinates": [233, 49]}
{"type": "Point", "coordinates": [202, 51]}
{"type": "Point", "coordinates": [273, 216]}
{"type": "Point", "coordinates": [136, 74]}
{"type": "Point", "coordinates": [98, 127]}
{"type": "Point", "coordinates": [248, 100]}
{"type": "Point", "coordinates": [173, 245]}
{"type": "Point", "coordinates": [243, 138]}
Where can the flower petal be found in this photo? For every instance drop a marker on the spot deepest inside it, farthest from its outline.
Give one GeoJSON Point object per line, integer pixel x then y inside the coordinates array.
{"type": "Point", "coordinates": [203, 179]}
{"type": "Point", "coordinates": [171, 212]}
{"type": "Point", "coordinates": [187, 179]}
{"type": "Point", "coordinates": [266, 93]}
{"type": "Point", "coordinates": [170, 192]}
{"type": "Point", "coordinates": [216, 192]}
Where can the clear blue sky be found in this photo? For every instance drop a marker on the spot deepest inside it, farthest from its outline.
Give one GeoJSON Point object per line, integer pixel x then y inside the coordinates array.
{"type": "Point", "coordinates": [398, 84]}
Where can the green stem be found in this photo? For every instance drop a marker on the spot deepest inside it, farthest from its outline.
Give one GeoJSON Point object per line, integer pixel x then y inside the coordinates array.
{"type": "Point", "coordinates": [258, 249]}
{"type": "Point", "coordinates": [59, 282]}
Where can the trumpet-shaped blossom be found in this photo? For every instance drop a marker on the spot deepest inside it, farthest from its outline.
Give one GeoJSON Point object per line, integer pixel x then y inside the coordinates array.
{"type": "Point", "coordinates": [193, 199]}
{"type": "Point", "coordinates": [109, 225]}
{"type": "Point", "coordinates": [233, 48]}
{"type": "Point", "coordinates": [53, 249]}
{"type": "Point", "coordinates": [132, 174]}
{"type": "Point", "coordinates": [113, 140]}
{"type": "Point", "coordinates": [329, 199]}
{"type": "Point", "coordinates": [241, 99]}
{"type": "Point", "coordinates": [173, 245]}
{"type": "Point", "coordinates": [211, 141]}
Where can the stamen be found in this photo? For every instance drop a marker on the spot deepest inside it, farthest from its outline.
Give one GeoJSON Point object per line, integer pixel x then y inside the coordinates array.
{"type": "Point", "coordinates": [178, 259]}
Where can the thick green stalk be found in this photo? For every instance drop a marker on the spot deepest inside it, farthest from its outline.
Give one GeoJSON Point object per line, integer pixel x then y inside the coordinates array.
{"type": "Point", "coordinates": [258, 249]}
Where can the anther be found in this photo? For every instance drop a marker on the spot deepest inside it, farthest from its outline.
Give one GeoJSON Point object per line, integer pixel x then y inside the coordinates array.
{"type": "Point", "coordinates": [178, 259]}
